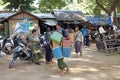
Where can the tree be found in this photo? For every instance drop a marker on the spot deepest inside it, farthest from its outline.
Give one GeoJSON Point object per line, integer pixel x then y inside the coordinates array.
{"type": "Point", "coordinates": [46, 6]}
{"type": "Point", "coordinates": [1, 2]}
{"type": "Point", "coordinates": [91, 8]}
{"type": "Point", "coordinates": [110, 7]}
{"type": "Point", "coordinates": [118, 9]}
{"type": "Point", "coordinates": [88, 7]}
{"type": "Point", "coordinates": [1, 6]}
{"type": "Point", "coordinates": [15, 5]}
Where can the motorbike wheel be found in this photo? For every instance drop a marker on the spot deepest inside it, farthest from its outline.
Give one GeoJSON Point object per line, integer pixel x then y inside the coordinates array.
{"type": "Point", "coordinates": [11, 63]}
{"type": "Point", "coordinates": [97, 46]}
{"type": "Point", "coordinates": [13, 60]}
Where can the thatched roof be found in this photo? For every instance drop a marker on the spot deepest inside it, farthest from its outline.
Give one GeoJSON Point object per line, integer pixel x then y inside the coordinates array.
{"type": "Point", "coordinates": [45, 16]}
{"type": "Point", "coordinates": [41, 15]}
{"type": "Point", "coordinates": [69, 15]}
{"type": "Point", "coordinates": [6, 16]}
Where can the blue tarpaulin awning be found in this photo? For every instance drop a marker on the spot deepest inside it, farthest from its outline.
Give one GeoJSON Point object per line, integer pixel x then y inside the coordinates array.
{"type": "Point", "coordinates": [99, 20]}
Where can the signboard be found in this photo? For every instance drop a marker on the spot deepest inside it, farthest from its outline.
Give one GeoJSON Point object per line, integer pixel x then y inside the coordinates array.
{"type": "Point", "coordinates": [24, 26]}
{"type": "Point", "coordinates": [21, 27]}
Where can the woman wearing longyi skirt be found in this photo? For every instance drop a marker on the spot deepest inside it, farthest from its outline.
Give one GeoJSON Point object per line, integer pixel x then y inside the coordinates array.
{"type": "Point", "coordinates": [78, 41]}
{"type": "Point", "coordinates": [61, 64]}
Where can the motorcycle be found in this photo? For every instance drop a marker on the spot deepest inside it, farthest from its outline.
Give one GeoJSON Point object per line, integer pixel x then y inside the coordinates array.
{"type": "Point", "coordinates": [43, 41]}
{"type": "Point", "coordinates": [16, 40]}
{"type": "Point", "coordinates": [1, 52]}
{"type": "Point", "coordinates": [1, 41]}
{"type": "Point", "coordinates": [23, 52]}
{"type": "Point", "coordinates": [8, 45]}
{"type": "Point", "coordinates": [99, 42]}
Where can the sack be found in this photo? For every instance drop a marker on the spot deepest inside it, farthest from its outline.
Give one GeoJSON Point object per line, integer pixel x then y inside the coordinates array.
{"type": "Point", "coordinates": [66, 42]}
{"type": "Point", "coordinates": [56, 37]}
{"type": "Point", "coordinates": [67, 51]}
{"type": "Point", "coordinates": [58, 52]}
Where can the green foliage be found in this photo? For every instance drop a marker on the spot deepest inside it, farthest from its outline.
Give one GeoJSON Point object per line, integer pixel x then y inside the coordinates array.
{"type": "Point", "coordinates": [87, 6]}
{"type": "Point", "coordinates": [46, 6]}
{"type": "Point", "coordinates": [90, 7]}
{"type": "Point", "coordinates": [107, 4]}
{"type": "Point", "coordinates": [97, 10]}
{"type": "Point", "coordinates": [15, 5]}
{"type": "Point", "coordinates": [1, 2]}
{"type": "Point", "coordinates": [118, 9]}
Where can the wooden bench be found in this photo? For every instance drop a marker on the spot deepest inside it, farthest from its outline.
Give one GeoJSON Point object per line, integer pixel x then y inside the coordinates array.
{"type": "Point", "coordinates": [112, 46]}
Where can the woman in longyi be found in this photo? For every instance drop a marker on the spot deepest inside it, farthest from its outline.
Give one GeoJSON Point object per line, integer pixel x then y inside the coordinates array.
{"type": "Point", "coordinates": [61, 64]}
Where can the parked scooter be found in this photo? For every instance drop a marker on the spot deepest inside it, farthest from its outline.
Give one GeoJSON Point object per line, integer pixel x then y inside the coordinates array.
{"type": "Point", "coordinates": [22, 52]}
{"type": "Point", "coordinates": [43, 42]}
{"type": "Point", "coordinates": [16, 40]}
{"type": "Point", "coordinates": [1, 44]}
{"type": "Point", "coordinates": [99, 42]}
{"type": "Point", "coordinates": [7, 45]}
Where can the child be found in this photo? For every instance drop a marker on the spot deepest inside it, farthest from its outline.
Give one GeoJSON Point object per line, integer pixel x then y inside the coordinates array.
{"type": "Point", "coordinates": [78, 41]}
{"type": "Point", "coordinates": [47, 45]}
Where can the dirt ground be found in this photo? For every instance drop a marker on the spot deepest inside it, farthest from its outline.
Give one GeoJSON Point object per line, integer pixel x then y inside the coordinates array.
{"type": "Point", "coordinates": [93, 65]}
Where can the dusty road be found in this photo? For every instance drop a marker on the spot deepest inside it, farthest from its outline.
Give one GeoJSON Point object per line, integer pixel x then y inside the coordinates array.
{"type": "Point", "coordinates": [93, 65]}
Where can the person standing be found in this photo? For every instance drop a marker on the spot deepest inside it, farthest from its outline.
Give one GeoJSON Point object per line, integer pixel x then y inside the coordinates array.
{"type": "Point", "coordinates": [86, 36]}
{"type": "Point", "coordinates": [78, 41]}
{"type": "Point", "coordinates": [49, 54]}
{"type": "Point", "coordinates": [61, 64]}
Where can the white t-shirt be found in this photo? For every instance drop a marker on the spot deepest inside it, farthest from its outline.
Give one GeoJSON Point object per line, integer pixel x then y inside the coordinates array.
{"type": "Point", "coordinates": [114, 27]}
{"type": "Point", "coordinates": [101, 30]}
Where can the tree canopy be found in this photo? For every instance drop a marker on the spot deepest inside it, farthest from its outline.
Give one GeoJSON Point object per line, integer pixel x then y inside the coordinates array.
{"type": "Point", "coordinates": [15, 5]}
{"type": "Point", "coordinates": [89, 7]}
{"type": "Point", "coordinates": [1, 2]}
{"type": "Point", "coordinates": [108, 6]}
{"type": "Point", "coordinates": [46, 6]}
{"type": "Point", "coordinates": [84, 5]}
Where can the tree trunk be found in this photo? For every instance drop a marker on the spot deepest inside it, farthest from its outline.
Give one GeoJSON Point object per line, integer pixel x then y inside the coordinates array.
{"type": "Point", "coordinates": [115, 18]}
{"type": "Point", "coordinates": [112, 9]}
